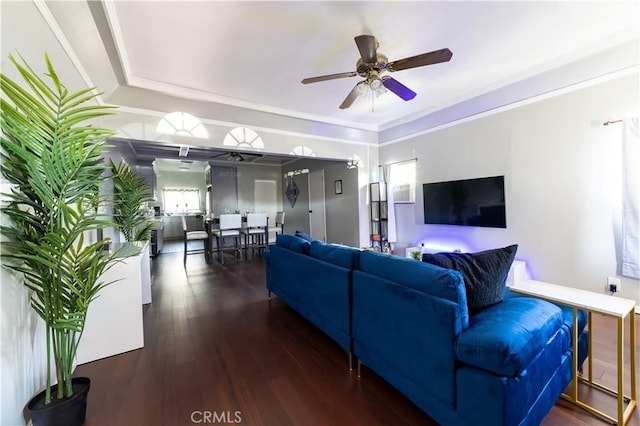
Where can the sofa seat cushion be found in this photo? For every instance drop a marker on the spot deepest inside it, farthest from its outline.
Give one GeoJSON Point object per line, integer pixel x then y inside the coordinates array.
{"type": "Point", "coordinates": [505, 337]}
{"type": "Point", "coordinates": [339, 255]}
{"type": "Point", "coordinates": [567, 314]}
{"type": "Point", "coordinates": [293, 243]}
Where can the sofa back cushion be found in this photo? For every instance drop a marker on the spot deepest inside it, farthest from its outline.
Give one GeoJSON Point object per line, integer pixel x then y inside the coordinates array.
{"type": "Point", "coordinates": [421, 276]}
{"type": "Point", "coordinates": [293, 243]}
{"type": "Point", "coordinates": [344, 256]}
{"type": "Point", "coordinates": [406, 318]}
{"type": "Point", "coordinates": [304, 235]}
{"type": "Point", "coordinates": [319, 291]}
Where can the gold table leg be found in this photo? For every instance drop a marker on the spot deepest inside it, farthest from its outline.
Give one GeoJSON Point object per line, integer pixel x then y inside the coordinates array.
{"type": "Point", "coordinates": [620, 371]}
{"type": "Point", "coordinates": [574, 338]}
{"type": "Point", "coordinates": [623, 414]}
{"type": "Point", "coordinates": [632, 359]}
{"type": "Point", "coordinates": [590, 343]}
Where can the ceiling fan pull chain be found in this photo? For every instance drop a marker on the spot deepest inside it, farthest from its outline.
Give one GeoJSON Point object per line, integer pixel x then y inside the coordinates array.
{"type": "Point", "coordinates": [373, 101]}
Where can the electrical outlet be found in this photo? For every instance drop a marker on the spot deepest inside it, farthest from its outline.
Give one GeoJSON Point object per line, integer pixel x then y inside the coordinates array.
{"type": "Point", "coordinates": [613, 284]}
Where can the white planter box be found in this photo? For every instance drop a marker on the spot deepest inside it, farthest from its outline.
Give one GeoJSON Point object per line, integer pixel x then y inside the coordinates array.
{"type": "Point", "coordinates": [114, 319]}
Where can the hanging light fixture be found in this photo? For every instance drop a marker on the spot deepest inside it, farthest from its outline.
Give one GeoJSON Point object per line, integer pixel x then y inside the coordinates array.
{"type": "Point", "coordinates": [361, 88]}
{"type": "Point", "coordinates": [376, 85]}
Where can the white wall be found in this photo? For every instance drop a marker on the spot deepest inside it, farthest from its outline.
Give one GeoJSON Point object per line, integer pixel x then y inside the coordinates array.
{"type": "Point", "coordinates": [247, 175]}
{"type": "Point", "coordinates": [22, 332]}
{"type": "Point", "coordinates": [23, 358]}
{"type": "Point", "coordinates": [342, 223]}
{"type": "Point", "coordinates": [562, 182]}
{"type": "Point", "coordinates": [344, 213]}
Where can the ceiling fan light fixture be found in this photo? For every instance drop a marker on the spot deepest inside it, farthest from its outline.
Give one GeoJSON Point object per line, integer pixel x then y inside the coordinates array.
{"type": "Point", "coordinates": [376, 85]}
{"type": "Point", "coordinates": [361, 88]}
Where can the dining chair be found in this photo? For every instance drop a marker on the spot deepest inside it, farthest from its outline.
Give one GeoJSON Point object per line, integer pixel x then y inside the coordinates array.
{"type": "Point", "coordinates": [230, 226]}
{"type": "Point", "coordinates": [194, 235]}
{"type": "Point", "coordinates": [280, 222]}
{"type": "Point", "coordinates": [278, 229]}
{"type": "Point", "coordinates": [256, 231]}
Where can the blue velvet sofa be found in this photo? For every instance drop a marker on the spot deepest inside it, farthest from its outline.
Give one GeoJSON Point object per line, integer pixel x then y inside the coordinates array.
{"type": "Point", "coordinates": [506, 365]}
{"type": "Point", "coordinates": [408, 321]}
{"type": "Point", "coordinates": [314, 278]}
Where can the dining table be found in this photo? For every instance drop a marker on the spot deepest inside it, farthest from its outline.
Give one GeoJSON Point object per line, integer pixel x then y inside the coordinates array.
{"type": "Point", "coordinates": [213, 222]}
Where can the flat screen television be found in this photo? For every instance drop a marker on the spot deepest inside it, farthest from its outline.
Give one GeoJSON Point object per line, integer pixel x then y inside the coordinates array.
{"type": "Point", "coordinates": [469, 202]}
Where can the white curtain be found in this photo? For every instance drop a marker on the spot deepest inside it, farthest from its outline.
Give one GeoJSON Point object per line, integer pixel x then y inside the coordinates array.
{"type": "Point", "coordinates": [391, 216]}
{"type": "Point", "coordinates": [631, 198]}
{"type": "Point", "coordinates": [181, 200]}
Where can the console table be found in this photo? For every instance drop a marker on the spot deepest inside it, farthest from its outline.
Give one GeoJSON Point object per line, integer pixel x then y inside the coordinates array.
{"type": "Point", "coordinates": [593, 303]}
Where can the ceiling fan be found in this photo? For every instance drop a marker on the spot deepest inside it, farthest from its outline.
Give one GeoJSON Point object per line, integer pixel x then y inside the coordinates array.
{"type": "Point", "coordinates": [234, 156]}
{"type": "Point", "coordinates": [372, 64]}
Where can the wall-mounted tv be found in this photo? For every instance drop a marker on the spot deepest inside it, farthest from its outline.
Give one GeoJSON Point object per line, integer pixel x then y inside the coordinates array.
{"type": "Point", "coordinates": [469, 202]}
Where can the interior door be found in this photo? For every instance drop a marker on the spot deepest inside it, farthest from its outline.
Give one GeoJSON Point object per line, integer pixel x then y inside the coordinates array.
{"type": "Point", "coordinates": [317, 222]}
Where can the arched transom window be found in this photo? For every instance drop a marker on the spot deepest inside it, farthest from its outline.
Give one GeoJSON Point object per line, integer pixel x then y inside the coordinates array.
{"type": "Point", "coordinates": [243, 137]}
{"type": "Point", "coordinates": [182, 124]}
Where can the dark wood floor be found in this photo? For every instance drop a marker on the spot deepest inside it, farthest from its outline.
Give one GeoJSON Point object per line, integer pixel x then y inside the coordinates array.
{"type": "Point", "coordinates": [214, 346]}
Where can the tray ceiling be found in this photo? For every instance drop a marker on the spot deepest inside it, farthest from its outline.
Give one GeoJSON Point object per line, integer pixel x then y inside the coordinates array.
{"type": "Point", "coordinates": [254, 54]}
{"type": "Point", "coordinates": [244, 61]}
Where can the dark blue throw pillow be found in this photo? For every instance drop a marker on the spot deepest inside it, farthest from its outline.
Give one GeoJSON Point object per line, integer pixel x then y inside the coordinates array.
{"type": "Point", "coordinates": [484, 273]}
{"type": "Point", "coordinates": [304, 235]}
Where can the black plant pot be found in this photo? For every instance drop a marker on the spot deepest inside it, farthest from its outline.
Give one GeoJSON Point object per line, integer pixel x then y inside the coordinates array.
{"type": "Point", "coordinates": [68, 412]}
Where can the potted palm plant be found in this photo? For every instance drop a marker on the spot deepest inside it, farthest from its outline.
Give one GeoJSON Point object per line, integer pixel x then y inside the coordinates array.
{"type": "Point", "coordinates": [55, 166]}
{"type": "Point", "coordinates": [130, 194]}
{"type": "Point", "coordinates": [416, 254]}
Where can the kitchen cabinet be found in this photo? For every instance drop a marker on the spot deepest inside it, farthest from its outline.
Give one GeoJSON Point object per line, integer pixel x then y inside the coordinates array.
{"type": "Point", "coordinates": [173, 225]}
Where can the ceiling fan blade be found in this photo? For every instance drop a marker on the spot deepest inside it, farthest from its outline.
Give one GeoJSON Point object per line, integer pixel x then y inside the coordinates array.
{"type": "Point", "coordinates": [367, 47]}
{"type": "Point", "coordinates": [435, 57]}
{"type": "Point", "coordinates": [398, 88]}
{"type": "Point", "coordinates": [329, 77]}
{"type": "Point", "coordinates": [352, 96]}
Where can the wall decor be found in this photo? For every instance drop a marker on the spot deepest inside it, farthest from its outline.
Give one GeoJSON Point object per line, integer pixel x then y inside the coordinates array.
{"type": "Point", "coordinates": [292, 191]}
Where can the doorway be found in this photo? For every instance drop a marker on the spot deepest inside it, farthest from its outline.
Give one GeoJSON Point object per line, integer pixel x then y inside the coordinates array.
{"type": "Point", "coordinates": [317, 224]}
